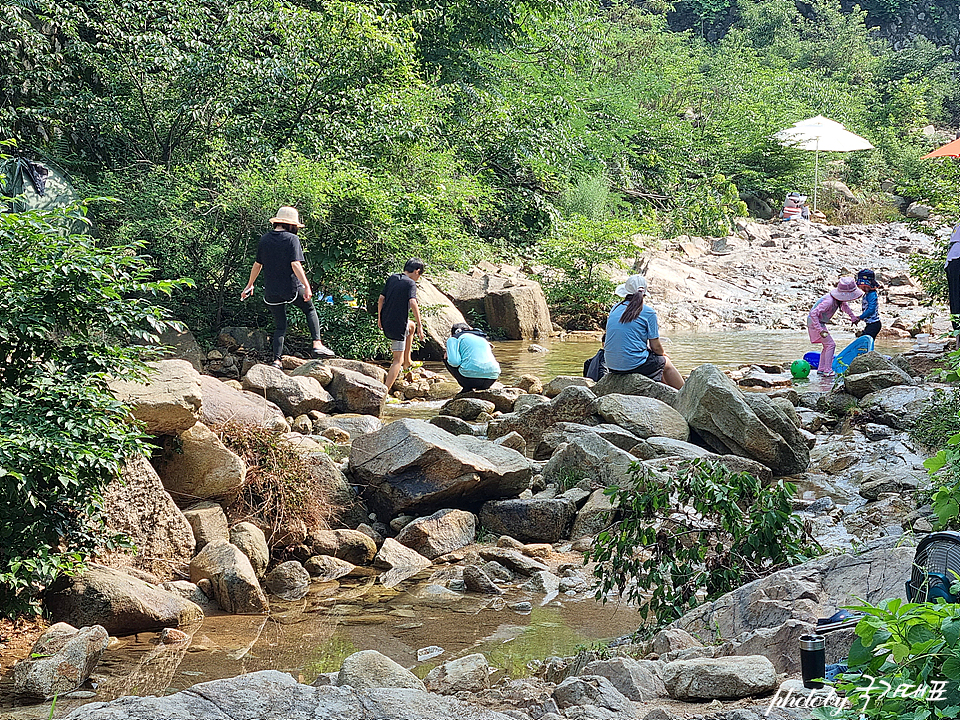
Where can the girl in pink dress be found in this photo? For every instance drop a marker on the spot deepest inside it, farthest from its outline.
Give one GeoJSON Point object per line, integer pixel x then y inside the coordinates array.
{"type": "Point", "coordinates": [826, 307]}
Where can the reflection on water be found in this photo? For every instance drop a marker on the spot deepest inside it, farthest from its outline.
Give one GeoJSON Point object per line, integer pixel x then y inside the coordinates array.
{"type": "Point", "coordinates": [687, 349]}
{"type": "Point", "coordinates": [312, 636]}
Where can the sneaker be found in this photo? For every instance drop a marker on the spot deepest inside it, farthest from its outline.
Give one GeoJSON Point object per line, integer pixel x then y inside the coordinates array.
{"type": "Point", "coordinates": [826, 373]}
{"type": "Point", "coordinates": [277, 364]}
{"type": "Point", "coordinates": [323, 351]}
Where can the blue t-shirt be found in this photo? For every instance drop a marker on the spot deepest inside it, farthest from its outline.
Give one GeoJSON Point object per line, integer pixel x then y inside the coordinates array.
{"type": "Point", "coordinates": [473, 356]}
{"type": "Point", "coordinates": [871, 308]}
{"type": "Point", "coordinates": [626, 345]}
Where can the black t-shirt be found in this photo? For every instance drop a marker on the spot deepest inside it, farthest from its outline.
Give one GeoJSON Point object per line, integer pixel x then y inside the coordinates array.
{"type": "Point", "coordinates": [277, 249]}
{"type": "Point", "coordinates": [397, 293]}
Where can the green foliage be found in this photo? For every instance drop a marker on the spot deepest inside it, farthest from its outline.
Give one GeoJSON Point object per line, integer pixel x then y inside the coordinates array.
{"type": "Point", "coordinates": [574, 255]}
{"type": "Point", "coordinates": [691, 536]}
{"type": "Point", "coordinates": [69, 310]}
{"type": "Point", "coordinates": [904, 663]}
{"type": "Point", "coordinates": [938, 420]}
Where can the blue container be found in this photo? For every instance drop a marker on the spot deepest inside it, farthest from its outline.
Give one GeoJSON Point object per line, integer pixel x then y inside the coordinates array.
{"type": "Point", "coordinates": [813, 358]}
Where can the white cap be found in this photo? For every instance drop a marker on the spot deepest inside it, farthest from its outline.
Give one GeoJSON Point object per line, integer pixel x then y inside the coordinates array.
{"type": "Point", "coordinates": [634, 284]}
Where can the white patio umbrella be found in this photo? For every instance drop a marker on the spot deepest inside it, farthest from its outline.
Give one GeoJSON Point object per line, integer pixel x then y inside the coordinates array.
{"type": "Point", "coordinates": [820, 133]}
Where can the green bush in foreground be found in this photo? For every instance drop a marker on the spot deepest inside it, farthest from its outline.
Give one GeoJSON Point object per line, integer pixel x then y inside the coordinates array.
{"type": "Point", "coordinates": [904, 663]}
{"type": "Point", "coordinates": [68, 312]}
{"type": "Point", "coordinates": [692, 535]}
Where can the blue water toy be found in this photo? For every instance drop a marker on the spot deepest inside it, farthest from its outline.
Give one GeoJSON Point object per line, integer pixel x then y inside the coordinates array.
{"type": "Point", "coordinates": [841, 363]}
{"type": "Point", "coordinates": [800, 369]}
{"type": "Point", "coordinates": [813, 358]}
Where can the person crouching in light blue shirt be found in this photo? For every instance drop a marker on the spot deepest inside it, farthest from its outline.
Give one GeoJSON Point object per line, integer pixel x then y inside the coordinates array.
{"type": "Point", "coordinates": [469, 358]}
{"type": "Point", "coordinates": [633, 337]}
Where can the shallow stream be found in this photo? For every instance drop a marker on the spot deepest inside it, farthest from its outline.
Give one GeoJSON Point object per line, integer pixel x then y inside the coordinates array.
{"type": "Point", "coordinates": [313, 635]}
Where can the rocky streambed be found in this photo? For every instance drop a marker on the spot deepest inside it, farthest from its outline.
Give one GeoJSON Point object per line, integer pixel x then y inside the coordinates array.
{"type": "Point", "coordinates": [406, 573]}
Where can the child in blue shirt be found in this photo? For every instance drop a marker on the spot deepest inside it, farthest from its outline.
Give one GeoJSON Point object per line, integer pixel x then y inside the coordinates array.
{"type": "Point", "coordinates": [867, 281]}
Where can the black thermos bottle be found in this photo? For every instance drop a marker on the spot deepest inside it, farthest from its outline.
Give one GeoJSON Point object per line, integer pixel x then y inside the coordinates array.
{"type": "Point", "coordinates": [813, 660]}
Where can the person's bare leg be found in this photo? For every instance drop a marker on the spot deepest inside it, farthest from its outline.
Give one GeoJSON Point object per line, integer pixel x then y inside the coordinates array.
{"type": "Point", "coordinates": [672, 376]}
{"type": "Point", "coordinates": [394, 372]}
{"type": "Point", "coordinates": [408, 346]}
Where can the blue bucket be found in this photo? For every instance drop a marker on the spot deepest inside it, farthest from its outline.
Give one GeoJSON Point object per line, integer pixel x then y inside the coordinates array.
{"type": "Point", "coordinates": [813, 358]}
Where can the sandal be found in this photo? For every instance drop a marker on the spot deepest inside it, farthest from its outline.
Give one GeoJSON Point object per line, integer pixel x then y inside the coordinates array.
{"type": "Point", "coordinates": [838, 621]}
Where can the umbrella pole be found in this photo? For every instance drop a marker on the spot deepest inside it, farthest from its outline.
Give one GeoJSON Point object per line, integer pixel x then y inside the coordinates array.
{"type": "Point", "coordinates": [816, 175]}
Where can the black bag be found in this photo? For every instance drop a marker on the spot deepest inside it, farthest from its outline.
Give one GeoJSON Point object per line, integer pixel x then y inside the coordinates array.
{"type": "Point", "coordinates": [595, 368]}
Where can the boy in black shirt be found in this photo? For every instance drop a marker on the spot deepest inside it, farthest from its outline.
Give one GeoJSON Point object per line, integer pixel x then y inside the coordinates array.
{"type": "Point", "coordinates": [398, 298]}
{"type": "Point", "coordinates": [280, 256]}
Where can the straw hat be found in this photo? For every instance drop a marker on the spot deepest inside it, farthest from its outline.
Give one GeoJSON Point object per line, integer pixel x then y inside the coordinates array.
{"type": "Point", "coordinates": [846, 290]}
{"type": "Point", "coordinates": [634, 284]}
{"type": "Point", "coordinates": [288, 216]}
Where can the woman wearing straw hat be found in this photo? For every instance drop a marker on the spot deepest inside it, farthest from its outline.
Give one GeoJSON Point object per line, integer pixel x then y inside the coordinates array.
{"type": "Point", "coordinates": [280, 257]}
{"type": "Point", "coordinates": [633, 337]}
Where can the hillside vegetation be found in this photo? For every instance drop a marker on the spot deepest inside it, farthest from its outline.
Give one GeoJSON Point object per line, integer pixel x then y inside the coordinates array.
{"type": "Point", "coordinates": [450, 129]}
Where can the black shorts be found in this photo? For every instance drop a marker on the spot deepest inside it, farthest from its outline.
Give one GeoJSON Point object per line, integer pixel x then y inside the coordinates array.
{"type": "Point", "coordinates": [651, 368]}
{"type": "Point", "coordinates": [872, 329]}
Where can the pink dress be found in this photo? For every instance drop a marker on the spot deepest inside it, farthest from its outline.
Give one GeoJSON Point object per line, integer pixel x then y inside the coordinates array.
{"type": "Point", "coordinates": [819, 316]}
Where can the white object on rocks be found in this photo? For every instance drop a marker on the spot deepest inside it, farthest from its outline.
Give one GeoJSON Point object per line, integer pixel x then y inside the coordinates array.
{"type": "Point", "coordinates": [429, 652]}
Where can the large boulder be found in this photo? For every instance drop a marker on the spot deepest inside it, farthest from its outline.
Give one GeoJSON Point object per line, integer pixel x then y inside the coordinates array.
{"type": "Point", "coordinates": [643, 416]}
{"type": "Point", "coordinates": [357, 393]}
{"type": "Point", "coordinates": [352, 424]}
{"type": "Point", "coordinates": [372, 371]}
{"type": "Point", "coordinates": [596, 514]}
{"type": "Point", "coordinates": [288, 580]}
{"type": "Point", "coordinates": [209, 523]}
{"type": "Point", "coordinates": [572, 432]}
{"type": "Point", "coordinates": [518, 310]}
{"type": "Point", "coordinates": [119, 602]}
{"type": "Point", "coordinates": [562, 382]}
{"type": "Point", "coordinates": [529, 520]}
{"type": "Point", "coordinates": [399, 562]}
{"type": "Point", "coordinates": [295, 395]}
{"type": "Point", "coordinates": [352, 546]}
{"type": "Point", "coordinates": [412, 466]}
{"type": "Point", "coordinates": [223, 403]}
{"type": "Point", "coordinates": [201, 466]}
{"type": "Point", "coordinates": [635, 384]}
{"type": "Point", "coordinates": [749, 426]}
{"type": "Point", "coordinates": [437, 323]}
{"type": "Point", "coordinates": [862, 384]}
{"type": "Point", "coordinates": [440, 533]}
{"type": "Point", "coordinates": [588, 456]}
{"type": "Point", "coordinates": [637, 680]}
{"type": "Point", "coordinates": [181, 345]}
{"type": "Point", "coordinates": [720, 678]}
{"type": "Point", "coordinates": [275, 695]}
{"type": "Point", "coordinates": [234, 583]}
{"type": "Point", "coordinates": [815, 589]}
{"type": "Point", "coordinates": [137, 506]}
{"type": "Point", "coordinates": [252, 543]}
{"type": "Point", "coordinates": [370, 669]}
{"type": "Point", "coordinates": [468, 673]}
{"type": "Point", "coordinates": [169, 402]}
{"type": "Point", "coordinates": [60, 661]}
{"type": "Point", "coordinates": [897, 406]}
{"type": "Point", "coordinates": [593, 693]}
{"type": "Point", "coordinates": [573, 404]}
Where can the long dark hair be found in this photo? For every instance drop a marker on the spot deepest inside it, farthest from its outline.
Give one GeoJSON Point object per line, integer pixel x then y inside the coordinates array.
{"type": "Point", "coordinates": [634, 306]}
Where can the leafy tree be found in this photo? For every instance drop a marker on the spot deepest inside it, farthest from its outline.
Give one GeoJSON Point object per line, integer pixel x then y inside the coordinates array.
{"type": "Point", "coordinates": [688, 537]}
{"type": "Point", "coordinates": [69, 314]}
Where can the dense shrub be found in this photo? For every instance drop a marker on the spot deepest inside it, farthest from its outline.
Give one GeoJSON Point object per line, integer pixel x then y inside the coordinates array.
{"type": "Point", "coordinates": [68, 313]}
{"type": "Point", "coordinates": [689, 536]}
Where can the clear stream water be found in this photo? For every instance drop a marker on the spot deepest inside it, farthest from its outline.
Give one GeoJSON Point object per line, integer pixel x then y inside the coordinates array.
{"type": "Point", "coordinates": [313, 635]}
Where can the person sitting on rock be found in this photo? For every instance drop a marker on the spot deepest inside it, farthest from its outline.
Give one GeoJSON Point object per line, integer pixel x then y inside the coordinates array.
{"type": "Point", "coordinates": [795, 207]}
{"type": "Point", "coordinates": [633, 337]}
{"type": "Point", "coordinates": [469, 358]}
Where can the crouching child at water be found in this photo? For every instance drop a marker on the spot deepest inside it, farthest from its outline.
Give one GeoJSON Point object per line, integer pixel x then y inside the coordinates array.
{"type": "Point", "coordinates": [469, 358]}
{"type": "Point", "coordinates": [826, 307]}
{"type": "Point", "coordinates": [867, 282]}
